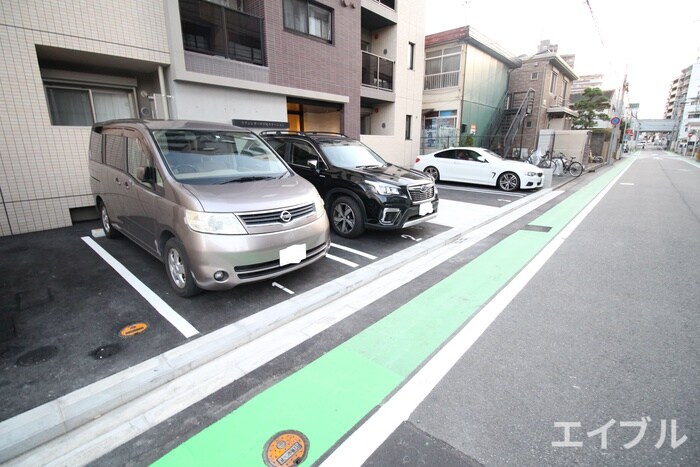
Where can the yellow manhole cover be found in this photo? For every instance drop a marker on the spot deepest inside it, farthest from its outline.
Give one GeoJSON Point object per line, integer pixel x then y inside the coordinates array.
{"type": "Point", "coordinates": [133, 329]}
{"type": "Point", "coordinates": [286, 449]}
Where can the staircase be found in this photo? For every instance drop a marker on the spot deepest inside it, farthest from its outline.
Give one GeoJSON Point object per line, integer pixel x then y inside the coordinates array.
{"type": "Point", "coordinates": [510, 123]}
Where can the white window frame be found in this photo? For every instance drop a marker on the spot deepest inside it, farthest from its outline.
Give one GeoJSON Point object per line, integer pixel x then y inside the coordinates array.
{"type": "Point", "coordinates": [130, 92]}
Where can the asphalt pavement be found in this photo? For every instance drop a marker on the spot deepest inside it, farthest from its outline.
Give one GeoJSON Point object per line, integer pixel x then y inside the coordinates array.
{"type": "Point", "coordinates": [57, 372]}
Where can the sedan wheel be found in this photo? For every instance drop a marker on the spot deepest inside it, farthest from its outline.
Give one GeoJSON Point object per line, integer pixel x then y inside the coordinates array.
{"type": "Point", "coordinates": [433, 172]}
{"type": "Point", "coordinates": [346, 217]}
{"type": "Point", "coordinates": [508, 181]}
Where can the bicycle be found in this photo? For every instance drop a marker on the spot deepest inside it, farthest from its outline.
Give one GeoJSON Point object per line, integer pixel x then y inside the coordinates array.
{"type": "Point", "coordinates": [569, 165]}
{"type": "Point", "coordinates": [544, 163]}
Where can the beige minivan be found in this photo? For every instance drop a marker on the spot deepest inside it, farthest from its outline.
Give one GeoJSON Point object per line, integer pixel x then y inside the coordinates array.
{"type": "Point", "coordinates": [212, 201]}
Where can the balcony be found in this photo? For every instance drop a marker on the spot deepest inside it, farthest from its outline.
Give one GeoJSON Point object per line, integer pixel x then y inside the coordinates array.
{"type": "Point", "coordinates": [448, 79]}
{"type": "Point", "coordinates": [212, 29]}
{"type": "Point", "coordinates": [377, 72]}
{"type": "Point", "coordinates": [378, 14]}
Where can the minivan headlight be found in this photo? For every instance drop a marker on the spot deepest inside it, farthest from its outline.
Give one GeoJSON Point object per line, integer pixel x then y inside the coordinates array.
{"type": "Point", "coordinates": [384, 188]}
{"type": "Point", "coordinates": [224, 223]}
{"type": "Point", "coordinates": [319, 205]}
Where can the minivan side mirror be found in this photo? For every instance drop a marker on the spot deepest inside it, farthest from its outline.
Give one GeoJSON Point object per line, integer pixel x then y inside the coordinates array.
{"type": "Point", "coordinates": [313, 163]}
{"type": "Point", "coordinates": [146, 174]}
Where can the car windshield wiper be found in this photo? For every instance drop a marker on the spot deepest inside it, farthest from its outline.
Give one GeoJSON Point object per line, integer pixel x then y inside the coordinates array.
{"type": "Point", "coordinates": [247, 179]}
{"type": "Point", "coordinates": [368, 166]}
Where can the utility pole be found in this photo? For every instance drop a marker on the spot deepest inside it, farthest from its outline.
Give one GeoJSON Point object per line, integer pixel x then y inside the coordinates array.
{"type": "Point", "coordinates": [615, 129]}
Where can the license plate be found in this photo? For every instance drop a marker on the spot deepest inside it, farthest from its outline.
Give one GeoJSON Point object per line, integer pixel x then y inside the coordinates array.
{"type": "Point", "coordinates": [294, 254]}
{"type": "Point", "coordinates": [425, 208]}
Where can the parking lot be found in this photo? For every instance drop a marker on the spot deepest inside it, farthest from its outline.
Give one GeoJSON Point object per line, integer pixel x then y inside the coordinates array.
{"type": "Point", "coordinates": [77, 307]}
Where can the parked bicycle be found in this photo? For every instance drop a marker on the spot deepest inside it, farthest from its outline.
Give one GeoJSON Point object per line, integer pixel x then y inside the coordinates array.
{"type": "Point", "coordinates": [568, 164]}
{"type": "Point", "coordinates": [544, 162]}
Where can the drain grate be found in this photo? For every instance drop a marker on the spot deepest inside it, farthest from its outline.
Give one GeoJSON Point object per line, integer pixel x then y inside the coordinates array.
{"type": "Point", "coordinates": [537, 228]}
{"type": "Point", "coordinates": [36, 356]}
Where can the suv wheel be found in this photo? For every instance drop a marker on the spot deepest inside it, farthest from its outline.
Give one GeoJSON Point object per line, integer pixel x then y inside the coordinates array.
{"type": "Point", "coordinates": [346, 217]}
{"type": "Point", "coordinates": [177, 267]}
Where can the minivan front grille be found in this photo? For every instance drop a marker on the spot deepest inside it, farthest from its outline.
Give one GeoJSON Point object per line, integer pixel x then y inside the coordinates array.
{"type": "Point", "coordinates": [422, 192]}
{"type": "Point", "coordinates": [278, 216]}
{"type": "Point", "coordinates": [256, 271]}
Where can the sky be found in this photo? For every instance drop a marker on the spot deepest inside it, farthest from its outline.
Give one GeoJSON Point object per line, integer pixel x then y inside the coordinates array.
{"type": "Point", "coordinates": [651, 42]}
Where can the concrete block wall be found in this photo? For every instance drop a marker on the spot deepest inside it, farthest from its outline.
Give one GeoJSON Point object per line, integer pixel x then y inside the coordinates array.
{"type": "Point", "coordinates": [43, 168]}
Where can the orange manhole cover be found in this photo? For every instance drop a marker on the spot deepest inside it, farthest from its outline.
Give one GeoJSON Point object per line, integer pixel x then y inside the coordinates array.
{"type": "Point", "coordinates": [286, 449]}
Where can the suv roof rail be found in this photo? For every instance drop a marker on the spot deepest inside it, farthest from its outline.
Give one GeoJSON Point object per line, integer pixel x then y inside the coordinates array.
{"type": "Point", "coordinates": [301, 133]}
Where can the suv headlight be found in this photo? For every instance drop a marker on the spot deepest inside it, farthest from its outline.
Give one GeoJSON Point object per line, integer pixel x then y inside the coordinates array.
{"type": "Point", "coordinates": [384, 188]}
{"type": "Point", "coordinates": [224, 223]}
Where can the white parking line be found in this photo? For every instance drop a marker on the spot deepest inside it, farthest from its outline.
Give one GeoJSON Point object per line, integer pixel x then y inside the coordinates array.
{"type": "Point", "coordinates": [280, 286]}
{"type": "Point", "coordinates": [480, 190]}
{"type": "Point", "coordinates": [352, 250]}
{"type": "Point", "coordinates": [341, 260]}
{"type": "Point", "coordinates": [161, 307]}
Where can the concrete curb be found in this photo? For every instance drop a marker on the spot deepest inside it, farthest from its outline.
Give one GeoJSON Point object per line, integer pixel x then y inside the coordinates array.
{"type": "Point", "coordinates": [52, 419]}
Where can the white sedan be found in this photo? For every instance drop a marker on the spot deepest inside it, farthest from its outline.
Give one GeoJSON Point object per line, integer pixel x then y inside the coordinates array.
{"type": "Point", "coordinates": [481, 166]}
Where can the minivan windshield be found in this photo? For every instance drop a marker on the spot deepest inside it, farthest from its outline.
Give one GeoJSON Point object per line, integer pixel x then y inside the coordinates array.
{"type": "Point", "coordinates": [350, 154]}
{"type": "Point", "coordinates": [204, 157]}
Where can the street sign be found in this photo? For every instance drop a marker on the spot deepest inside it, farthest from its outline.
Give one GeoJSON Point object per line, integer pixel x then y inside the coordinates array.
{"type": "Point", "coordinates": [615, 121]}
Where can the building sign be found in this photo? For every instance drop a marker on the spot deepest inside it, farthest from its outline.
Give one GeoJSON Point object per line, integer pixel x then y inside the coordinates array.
{"type": "Point", "coordinates": [472, 129]}
{"type": "Point", "coordinates": [261, 124]}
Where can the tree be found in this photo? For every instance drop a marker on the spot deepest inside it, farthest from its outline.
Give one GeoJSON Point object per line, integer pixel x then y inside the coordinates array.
{"type": "Point", "coordinates": [589, 108]}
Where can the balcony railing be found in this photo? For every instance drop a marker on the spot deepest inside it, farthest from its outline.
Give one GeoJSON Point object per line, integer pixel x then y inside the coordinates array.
{"type": "Point", "coordinates": [215, 30]}
{"type": "Point", "coordinates": [377, 72]}
{"type": "Point", "coordinates": [442, 80]}
{"type": "Point", "coordinates": [559, 101]}
{"type": "Point", "coordinates": [389, 3]}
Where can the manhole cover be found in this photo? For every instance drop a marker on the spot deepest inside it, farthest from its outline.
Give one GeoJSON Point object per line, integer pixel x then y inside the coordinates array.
{"type": "Point", "coordinates": [133, 329]}
{"type": "Point", "coordinates": [36, 356]}
{"type": "Point", "coordinates": [105, 351]}
{"type": "Point", "coordinates": [286, 449]}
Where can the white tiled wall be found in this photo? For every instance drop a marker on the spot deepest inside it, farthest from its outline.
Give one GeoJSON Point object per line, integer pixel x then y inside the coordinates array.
{"type": "Point", "coordinates": [43, 168]}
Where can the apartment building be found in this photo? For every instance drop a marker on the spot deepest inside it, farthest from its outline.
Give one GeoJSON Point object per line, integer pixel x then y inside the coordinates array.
{"type": "Point", "coordinates": [465, 88]}
{"type": "Point", "coordinates": [683, 106]}
{"type": "Point", "coordinates": [542, 86]}
{"type": "Point", "coordinates": [324, 65]}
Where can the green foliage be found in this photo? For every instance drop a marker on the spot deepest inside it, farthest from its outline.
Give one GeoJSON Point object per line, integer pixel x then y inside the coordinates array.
{"type": "Point", "coordinates": [466, 140]}
{"type": "Point", "coordinates": [589, 108]}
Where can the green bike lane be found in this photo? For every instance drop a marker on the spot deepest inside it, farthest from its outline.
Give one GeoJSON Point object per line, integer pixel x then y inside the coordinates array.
{"type": "Point", "coordinates": [327, 398]}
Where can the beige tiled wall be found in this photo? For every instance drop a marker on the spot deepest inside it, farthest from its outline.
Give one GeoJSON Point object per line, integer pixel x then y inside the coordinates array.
{"type": "Point", "coordinates": [43, 168]}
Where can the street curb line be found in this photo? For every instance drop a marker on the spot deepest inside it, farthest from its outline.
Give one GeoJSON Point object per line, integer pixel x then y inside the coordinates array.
{"type": "Point", "coordinates": [41, 424]}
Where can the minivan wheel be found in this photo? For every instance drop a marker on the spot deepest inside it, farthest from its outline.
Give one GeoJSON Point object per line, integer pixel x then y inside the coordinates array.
{"type": "Point", "coordinates": [107, 226]}
{"type": "Point", "coordinates": [177, 267]}
{"type": "Point", "coordinates": [347, 219]}
{"type": "Point", "coordinates": [508, 181]}
{"type": "Point", "coordinates": [433, 172]}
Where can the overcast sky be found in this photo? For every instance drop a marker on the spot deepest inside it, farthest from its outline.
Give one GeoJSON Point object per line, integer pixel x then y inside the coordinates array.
{"type": "Point", "coordinates": [652, 42]}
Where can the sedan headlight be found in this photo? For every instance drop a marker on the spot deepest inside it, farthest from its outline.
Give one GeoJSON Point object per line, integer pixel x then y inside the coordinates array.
{"type": "Point", "coordinates": [384, 188]}
{"type": "Point", "coordinates": [223, 223]}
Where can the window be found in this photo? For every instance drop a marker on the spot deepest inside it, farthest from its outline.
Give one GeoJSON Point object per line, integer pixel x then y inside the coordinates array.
{"type": "Point", "coordinates": [442, 68]}
{"type": "Point", "coordinates": [115, 151]}
{"type": "Point", "coordinates": [439, 120]}
{"type": "Point", "coordinates": [566, 87]}
{"type": "Point", "coordinates": [308, 18]}
{"type": "Point", "coordinates": [96, 147]}
{"type": "Point", "coordinates": [83, 106]}
{"type": "Point", "coordinates": [302, 153]}
{"type": "Point", "coordinates": [411, 55]}
{"type": "Point", "coordinates": [216, 30]}
{"type": "Point", "coordinates": [534, 75]}
{"type": "Point", "coordinates": [528, 124]}
{"type": "Point", "coordinates": [408, 126]}
{"type": "Point", "coordinates": [553, 84]}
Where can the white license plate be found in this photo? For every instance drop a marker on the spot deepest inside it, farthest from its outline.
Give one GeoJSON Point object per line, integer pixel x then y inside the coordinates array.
{"type": "Point", "coordinates": [294, 254]}
{"type": "Point", "coordinates": [425, 208]}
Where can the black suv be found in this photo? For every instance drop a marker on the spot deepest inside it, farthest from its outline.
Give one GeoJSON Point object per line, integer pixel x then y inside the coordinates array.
{"type": "Point", "coordinates": [361, 190]}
